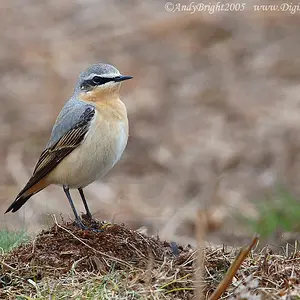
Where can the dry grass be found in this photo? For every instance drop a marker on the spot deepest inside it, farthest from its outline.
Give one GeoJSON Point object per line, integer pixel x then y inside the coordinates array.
{"type": "Point", "coordinates": [119, 263]}
{"type": "Point", "coordinates": [212, 95]}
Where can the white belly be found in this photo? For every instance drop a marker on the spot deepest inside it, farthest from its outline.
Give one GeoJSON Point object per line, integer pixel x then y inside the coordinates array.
{"type": "Point", "coordinates": [101, 149]}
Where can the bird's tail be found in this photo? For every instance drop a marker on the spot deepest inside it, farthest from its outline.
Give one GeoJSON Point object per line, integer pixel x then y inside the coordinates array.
{"type": "Point", "coordinates": [18, 203]}
{"type": "Point", "coordinates": [25, 194]}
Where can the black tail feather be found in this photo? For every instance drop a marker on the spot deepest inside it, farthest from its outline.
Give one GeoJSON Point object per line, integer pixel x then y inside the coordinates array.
{"type": "Point", "coordinates": [18, 203]}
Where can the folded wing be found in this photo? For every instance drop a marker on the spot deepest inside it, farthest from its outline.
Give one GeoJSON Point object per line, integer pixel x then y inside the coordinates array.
{"type": "Point", "coordinates": [53, 155]}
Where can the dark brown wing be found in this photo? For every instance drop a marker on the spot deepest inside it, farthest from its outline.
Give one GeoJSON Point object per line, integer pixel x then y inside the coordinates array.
{"type": "Point", "coordinates": [53, 155]}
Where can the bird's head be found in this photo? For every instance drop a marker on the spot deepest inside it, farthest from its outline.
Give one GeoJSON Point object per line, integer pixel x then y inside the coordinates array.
{"type": "Point", "coordinates": [99, 80]}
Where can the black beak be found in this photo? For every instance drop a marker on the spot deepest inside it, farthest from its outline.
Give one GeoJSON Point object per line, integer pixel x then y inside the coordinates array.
{"type": "Point", "coordinates": [122, 78]}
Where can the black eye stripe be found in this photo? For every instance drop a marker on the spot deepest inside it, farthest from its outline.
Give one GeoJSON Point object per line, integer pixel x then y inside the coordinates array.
{"type": "Point", "coordinates": [97, 80]}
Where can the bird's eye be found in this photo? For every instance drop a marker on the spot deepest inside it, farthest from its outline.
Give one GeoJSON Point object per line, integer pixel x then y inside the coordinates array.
{"type": "Point", "coordinates": [98, 80]}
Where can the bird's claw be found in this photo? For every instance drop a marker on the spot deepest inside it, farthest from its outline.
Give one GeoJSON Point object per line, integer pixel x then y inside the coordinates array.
{"type": "Point", "coordinates": [89, 228]}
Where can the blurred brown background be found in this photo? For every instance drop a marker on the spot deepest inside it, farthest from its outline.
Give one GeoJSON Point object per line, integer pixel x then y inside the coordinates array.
{"type": "Point", "coordinates": [214, 108]}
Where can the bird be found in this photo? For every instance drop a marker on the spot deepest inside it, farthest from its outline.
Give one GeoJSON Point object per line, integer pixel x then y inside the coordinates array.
{"type": "Point", "coordinates": [87, 138]}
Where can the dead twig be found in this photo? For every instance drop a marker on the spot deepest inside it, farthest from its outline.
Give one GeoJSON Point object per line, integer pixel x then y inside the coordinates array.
{"type": "Point", "coordinates": [5, 265]}
{"type": "Point", "coordinates": [223, 285]}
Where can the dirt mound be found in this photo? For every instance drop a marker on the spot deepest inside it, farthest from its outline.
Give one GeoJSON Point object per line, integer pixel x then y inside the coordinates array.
{"type": "Point", "coordinates": [67, 258]}
{"type": "Point", "coordinates": [64, 247]}
{"type": "Point", "coordinates": [66, 251]}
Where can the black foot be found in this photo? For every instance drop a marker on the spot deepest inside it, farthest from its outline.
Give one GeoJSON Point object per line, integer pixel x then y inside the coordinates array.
{"type": "Point", "coordinates": [81, 225]}
{"type": "Point", "coordinates": [87, 216]}
{"type": "Point", "coordinates": [88, 228]}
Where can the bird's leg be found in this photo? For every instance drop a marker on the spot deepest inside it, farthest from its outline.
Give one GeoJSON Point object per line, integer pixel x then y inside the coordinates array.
{"type": "Point", "coordinates": [88, 213]}
{"type": "Point", "coordinates": [78, 220]}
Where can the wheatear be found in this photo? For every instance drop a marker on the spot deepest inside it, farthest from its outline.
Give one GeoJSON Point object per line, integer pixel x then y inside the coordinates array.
{"type": "Point", "coordinates": [87, 139]}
